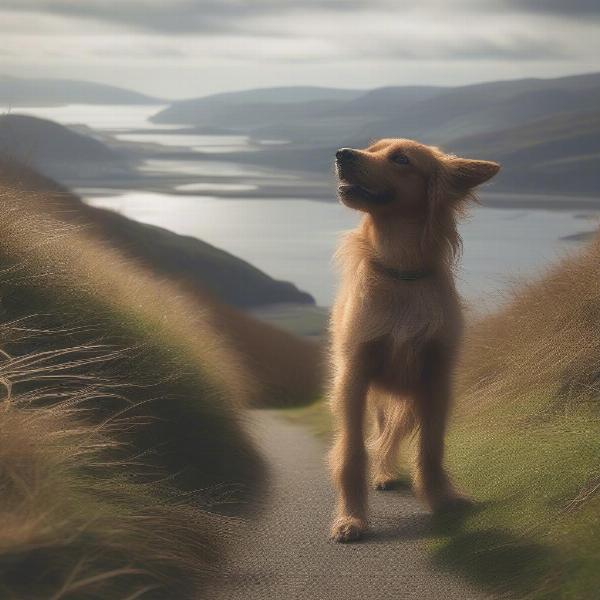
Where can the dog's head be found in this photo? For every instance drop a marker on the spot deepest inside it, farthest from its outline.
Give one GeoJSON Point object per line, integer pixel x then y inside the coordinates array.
{"type": "Point", "coordinates": [404, 178]}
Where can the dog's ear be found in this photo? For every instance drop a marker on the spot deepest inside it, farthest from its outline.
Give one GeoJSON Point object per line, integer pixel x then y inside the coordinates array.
{"type": "Point", "coordinates": [464, 174]}
{"type": "Point", "coordinates": [439, 193]}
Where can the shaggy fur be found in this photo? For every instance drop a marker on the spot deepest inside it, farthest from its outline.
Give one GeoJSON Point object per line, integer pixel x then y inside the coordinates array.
{"type": "Point", "coordinates": [394, 341]}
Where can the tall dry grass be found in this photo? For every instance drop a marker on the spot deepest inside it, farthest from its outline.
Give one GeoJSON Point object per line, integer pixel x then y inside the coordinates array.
{"type": "Point", "coordinates": [180, 369]}
{"type": "Point", "coordinates": [122, 442]}
{"type": "Point", "coordinates": [544, 341]}
{"type": "Point", "coordinates": [74, 522]}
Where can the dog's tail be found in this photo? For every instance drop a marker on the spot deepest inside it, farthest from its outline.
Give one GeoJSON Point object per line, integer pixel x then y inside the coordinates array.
{"type": "Point", "coordinates": [394, 420]}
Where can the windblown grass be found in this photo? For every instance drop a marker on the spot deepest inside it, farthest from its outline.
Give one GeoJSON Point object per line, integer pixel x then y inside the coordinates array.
{"type": "Point", "coordinates": [122, 443]}
{"type": "Point", "coordinates": [526, 439]}
{"type": "Point", "coordinates": [74, 522]}
{"type": "Point", "coordinates": [546, 339]}
{"type": "Point", "coordinates": [179, 369]}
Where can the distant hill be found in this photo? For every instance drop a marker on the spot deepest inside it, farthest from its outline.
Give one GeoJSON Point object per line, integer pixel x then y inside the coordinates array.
{"type": "Point", "coordinates": [561, 153]}
{"type": "Point", "coordinates": [16, 91]}
{"type": "Point", "coordinates": [427, 112]}
{"type": "Point", "coordinates": [342, 121]}
{"type": "Point", "coordinates": [489, 106]}
{"type": "Point", "coordinates": [437, 114]}
{"type": "Point", "coordinates": [56, 150]}
{"type": "Point", "coordinates": [252, 108]}
{"type": "Point", "coordinates": [280, 95]}
{"type": "Point", "coordinates": [544, 131]}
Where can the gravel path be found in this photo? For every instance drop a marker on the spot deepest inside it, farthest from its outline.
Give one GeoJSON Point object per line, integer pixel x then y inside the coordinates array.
{"type": "Point", "coordinates": [286, 553]}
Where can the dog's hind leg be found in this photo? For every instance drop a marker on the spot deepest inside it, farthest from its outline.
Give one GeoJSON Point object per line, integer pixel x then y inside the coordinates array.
{"type": "Point", "coordinates": [348, 457]}
{"type": "Point", "coordinates": [432, 405]}
{"type": "Point", "coordinates": [395, 420]}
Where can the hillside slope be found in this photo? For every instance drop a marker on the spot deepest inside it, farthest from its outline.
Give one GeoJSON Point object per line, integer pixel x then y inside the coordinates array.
{"type": "Point", "coordinates": [226, 277]}
{"type": "Point", "coordinates": [526, 439]}
{"type": "Point", "coordinates": [58, 151]}
{"type": "Point", "coordinates": [287, 368]}
{"type": "Point", "coordinates": [62, 276]}
{"type": "Point", "coordinates": [122, 431]}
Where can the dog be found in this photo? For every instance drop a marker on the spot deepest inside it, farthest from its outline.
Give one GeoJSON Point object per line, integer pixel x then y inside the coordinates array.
{"type": "Point", "coordinates": [396, 323]}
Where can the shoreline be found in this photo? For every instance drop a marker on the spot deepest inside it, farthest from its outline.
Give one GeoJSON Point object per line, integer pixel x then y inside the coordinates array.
{"type": "Point", "coordinates": [319, 191]}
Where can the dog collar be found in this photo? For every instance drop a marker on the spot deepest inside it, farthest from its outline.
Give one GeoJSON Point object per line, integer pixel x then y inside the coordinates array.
{"type": "Point", "coordinates": [399, 275]}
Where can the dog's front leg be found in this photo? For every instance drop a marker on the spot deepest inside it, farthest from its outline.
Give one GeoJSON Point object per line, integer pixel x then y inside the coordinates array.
{"type": "Point", "coordinates": [348, 457]}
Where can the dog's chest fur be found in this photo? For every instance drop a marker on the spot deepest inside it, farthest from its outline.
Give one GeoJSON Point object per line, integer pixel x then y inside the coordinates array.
{"type": "Point", "coordinates": [403, 312]}
{"type": "Point", "coordinates": [390, 322]}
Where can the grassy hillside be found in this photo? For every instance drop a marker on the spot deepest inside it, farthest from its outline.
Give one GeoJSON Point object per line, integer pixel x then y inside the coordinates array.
{"type": "Point", "coordinates": [116, 379]}
{"type": "Point", "coordinates": [287, 368]}
{"type": "Point", "coordinates": [527, 438]}
{"type": "Point", "coordinates": [77, 521]}
{"type": "Point", "coordinates": [525, 441]}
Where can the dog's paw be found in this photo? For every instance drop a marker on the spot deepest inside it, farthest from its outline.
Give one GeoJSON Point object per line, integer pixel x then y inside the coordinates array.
{"type": "Point", "coordinates": [383, 484]}
{"type": "Point", "coordinates": [347, 529]}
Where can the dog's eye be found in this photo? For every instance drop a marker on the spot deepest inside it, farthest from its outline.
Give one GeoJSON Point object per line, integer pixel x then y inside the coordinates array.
{"type": "Point", "coordinates": [400, 158]}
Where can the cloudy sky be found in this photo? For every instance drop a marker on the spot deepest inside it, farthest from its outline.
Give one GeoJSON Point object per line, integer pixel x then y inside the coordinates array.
{"type": "Point", "coordinates": [180, 48]}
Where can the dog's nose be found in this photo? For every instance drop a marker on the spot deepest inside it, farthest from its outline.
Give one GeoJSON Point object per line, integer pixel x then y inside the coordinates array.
{"type": "Point", "coordinates": [345, 154]}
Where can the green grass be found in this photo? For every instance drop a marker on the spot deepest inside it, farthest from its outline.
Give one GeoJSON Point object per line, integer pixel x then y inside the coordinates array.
{"type": "Point", "coordinates": [305, 320]}
{"type": "Point", "coordinates": [533, 532]}
{"type": "Point", "coordinates": [314, 416]}
{"type": "Point", "coordinates": [529, 534]}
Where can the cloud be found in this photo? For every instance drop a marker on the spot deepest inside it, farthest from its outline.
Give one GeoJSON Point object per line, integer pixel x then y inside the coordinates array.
{"type": "Point", "coordinates": [180, 16]}
{"type": "Point", "coordinates": [244, 16]}
{"type": "Point", "coordinates": [141, 52]}
{"type": "Point", "coordinates": [470, 48]}
{"type": "Point", "coordinates": [467, 49]}
{"type": "Point", "coordinates": [233, 43]}
{"type": "Point", "coordinates": [574, 9]}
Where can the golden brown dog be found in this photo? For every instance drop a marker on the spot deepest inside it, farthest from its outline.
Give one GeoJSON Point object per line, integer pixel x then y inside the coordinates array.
{"type": "Point", "coordinates": [396, 322]}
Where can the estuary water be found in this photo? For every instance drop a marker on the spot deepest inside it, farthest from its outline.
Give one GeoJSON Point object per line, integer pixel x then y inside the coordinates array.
{"type": "Point", "coordinates": [294, 239]}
